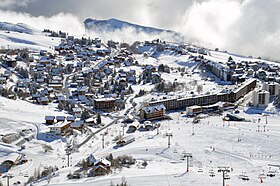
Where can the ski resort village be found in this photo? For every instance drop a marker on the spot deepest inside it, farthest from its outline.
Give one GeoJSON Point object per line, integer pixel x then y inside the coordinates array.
{"type": "Point", "coordinates": [86, 111]}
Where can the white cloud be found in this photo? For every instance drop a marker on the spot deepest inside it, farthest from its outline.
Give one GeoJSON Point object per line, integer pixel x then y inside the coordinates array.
{"type": "Point", "coordinates": [62, 21]}
{"type": "Point", "coordinates": [249, 27]}
{"type": "Point", "coordinates": [13, 3]}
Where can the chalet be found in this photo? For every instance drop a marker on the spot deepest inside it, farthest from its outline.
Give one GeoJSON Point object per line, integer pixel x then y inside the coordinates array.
{"type": "Point", "coordinates": [193, 110]}
{"type": "Point", "coordinates": [152, 112]}
{"type": "Point", "coordinates": [60, 118]}
{"type": "Point", "coordinates": [78, 125]}
{"type": "Point", "coordinates": [45, 61]}
{"type": "Point", "coordinates": [70, 118]}
{"type": "Point", "coordinates": [49, 120]}
{"type": "Point", "coordinates": [61, 99]}
{"type": "Point", "coordinates": [71, 38]}
{"type": "Point", "coordinates": [7, 73]}
{"type": "Point", "coordinates": [3, 80]}
{"type": "Point", "coordinates": [90, 121]}
{"type": "Point", "coordinates": [23, 83]}
{"type": "Point", "coordinates": [101, 167]}
{"type": "Point", "coordinates": [132, 79]}
{"type": "Point", "coordinates": [60, 128]}
{"type": "Point", "coordinates": [40, 80]}
{"type": "Point", "coordinates": [35, 96]}
{"type": "Point", "coordinates": [82, 98]}
{"type": "Point", "coordinates": [69, 57]}
{"type": "Point", "coordinates": [43, 52]}
{"type": "Point", "coordinates": [132, 72]}
{"type": "Point", "coordinates": [103, 52]}
{"type": "Point", "coordinates": [45, 92]}
{"type": "Point", "coordinates": [43, 100]}
{"type": "Point", "coordinates": [123, 82]}
{"type": "Point", "coordinates": [261, 74]}
{"type": "Point", "coordinates": [105, 104]}
{"type": "Point", "coordinates": [82, 90]}
{"type": "Point", "coordinates": [56, 86]}
{"type": "Point", "coordinates": [77, 111]}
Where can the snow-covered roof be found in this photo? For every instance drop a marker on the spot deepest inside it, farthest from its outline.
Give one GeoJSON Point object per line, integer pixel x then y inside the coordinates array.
{"type": "Point", "coordinates": [11, 157]}
{"type": "Point", "coordinates": [77, 124]}
{"type": "Point", "coordinates": [154, 108]}
{"type": "Point", "coordinates": [49, 118]}
{"type": "Point", "coordinates": [44, 99]}
{"type": "Point", "coordinates": [103, 161]}
{"type": "Point", "coordinates": [77, 109]}
{"type": "Point", "coordinates": [70, 118]}
{"type": "Point", "coordinates": [60, 117]}
{"type": "Point", "coordinates": [105, 99]}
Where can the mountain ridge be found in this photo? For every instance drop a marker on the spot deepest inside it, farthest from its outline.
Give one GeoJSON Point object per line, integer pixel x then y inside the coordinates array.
{"type": "Point", "coordinates": [114, 24]}
{"type": "Point", "coordinates": [19, 27]}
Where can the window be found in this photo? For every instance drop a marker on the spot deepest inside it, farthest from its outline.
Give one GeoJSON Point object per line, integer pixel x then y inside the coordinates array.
{"type": "Point", "coordinates": [261, 99]}
{"type": "Point", "coordinates": [272, 89]}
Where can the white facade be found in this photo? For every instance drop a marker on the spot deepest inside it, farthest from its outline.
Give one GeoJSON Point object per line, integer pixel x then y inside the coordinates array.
{"type": "Point", "coordinates": [193, 110]}
{"type": "Point", "coordinates": [272, 88]}
{"type": "Point", "coordinates": [59, 127]}
{"type": "Point", "coordinates": [260, 98]}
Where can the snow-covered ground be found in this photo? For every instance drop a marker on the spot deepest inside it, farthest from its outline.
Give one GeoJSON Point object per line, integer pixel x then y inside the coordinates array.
{"type": "Point", "coordinates": [36, 41]}
{"type": "Point", "coordinates": [214, 143]}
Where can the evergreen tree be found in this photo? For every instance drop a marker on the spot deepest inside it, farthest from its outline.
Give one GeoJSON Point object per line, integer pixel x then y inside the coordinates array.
{"type": "Point", "coordinates": [85, 114]}
{"type": "Point", "coordinates": [130, 89]}
{"type": "Point", "coordinates": [98, 119]}
{"type": "Point", "coordinates": [61, 105]}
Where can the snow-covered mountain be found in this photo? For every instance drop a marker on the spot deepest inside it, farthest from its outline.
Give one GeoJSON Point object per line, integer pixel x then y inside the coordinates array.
{"type": "Point", "coordinates": [115, 24]}
{"type": "Point", "coordinates": [19, 27]}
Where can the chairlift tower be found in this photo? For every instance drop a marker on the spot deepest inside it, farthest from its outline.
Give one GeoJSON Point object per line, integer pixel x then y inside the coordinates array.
{"type": "Point", "coordinates": [68, 151]}
{"type": "Point", "coordinates": [123, 126]}
{"type": "Point", "coordinates": [266, 122]}
{"type": "Point", "coordinates": [239, 135]}
{"type": "Point", "coordinates": [224, 170]}
{"type": "Point", "coordinates": [103, 140]}
{"type": "Point", "coordinates": [169, 135]}
{"type": "Point", "coordinates": [188, 156]}
{"type": "Point", "coordinates": [192, 129]}
{"type": "Point", "coordinates": [8, 176]}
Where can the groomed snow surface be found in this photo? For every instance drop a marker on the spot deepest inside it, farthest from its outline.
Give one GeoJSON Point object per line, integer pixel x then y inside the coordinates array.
{"type": "Point", "coordinates": [213, 144]}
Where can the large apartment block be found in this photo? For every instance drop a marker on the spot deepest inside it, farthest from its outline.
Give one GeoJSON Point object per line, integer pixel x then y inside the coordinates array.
{"type": "Point", "coordinates": [230, 96]}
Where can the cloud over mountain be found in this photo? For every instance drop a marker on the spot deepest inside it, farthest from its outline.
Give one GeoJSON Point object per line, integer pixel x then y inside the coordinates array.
{"type": "Point", "coordinates": [249, 27]}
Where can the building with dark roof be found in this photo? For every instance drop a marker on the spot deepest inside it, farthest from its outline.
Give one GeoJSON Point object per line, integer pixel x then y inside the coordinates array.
{"type": "Point", "coordinates": [152, 112]}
